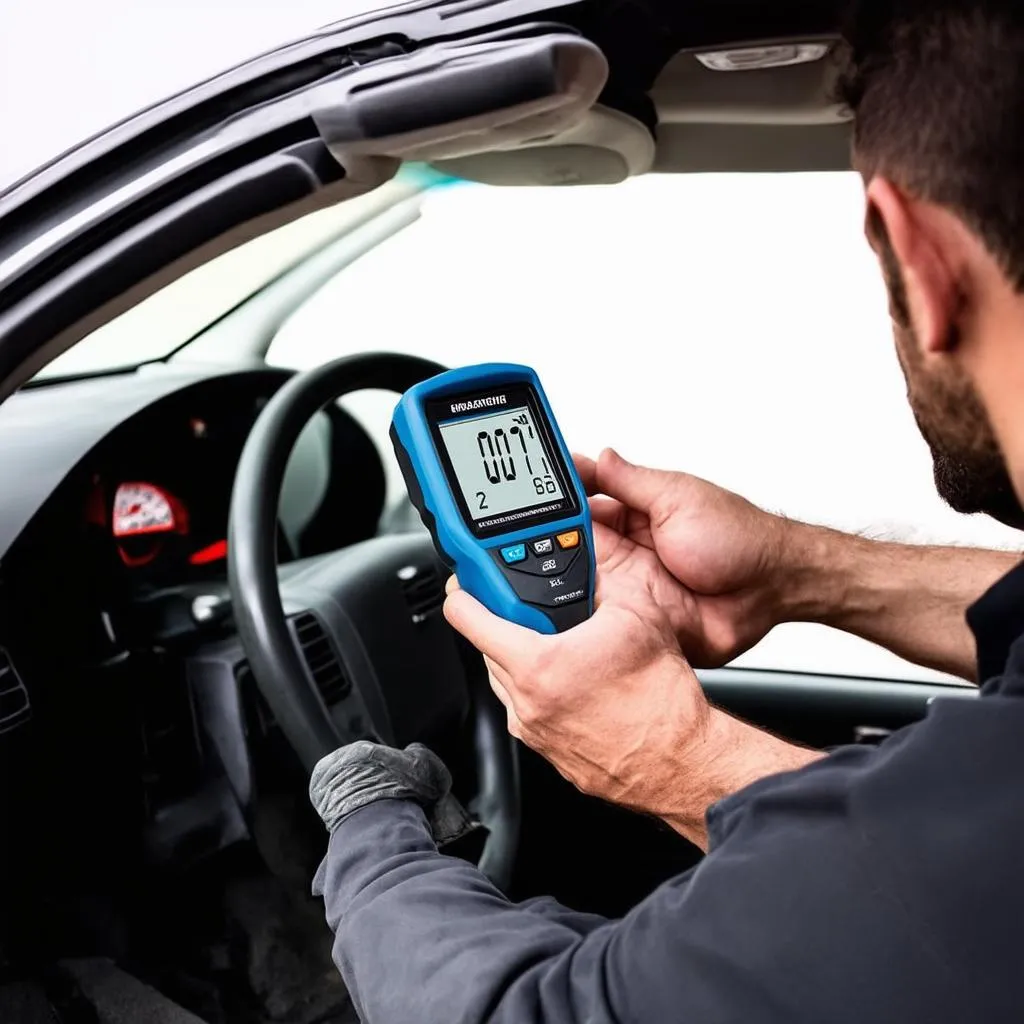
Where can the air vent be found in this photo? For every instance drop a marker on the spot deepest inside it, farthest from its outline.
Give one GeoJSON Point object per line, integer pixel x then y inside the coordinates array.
{"type": "Point", "coordinates": [322, 662]}
{"type": "Point", "coordinates": [14, 703]}
{"type": "Point", "coordinates": [424, 592]}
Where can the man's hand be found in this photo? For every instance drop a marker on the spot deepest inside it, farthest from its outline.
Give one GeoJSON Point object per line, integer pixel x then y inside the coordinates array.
{"type": "Point", "coordinates": [728, 555]}
{"type": "Point", "coordinates": [614, 705]}
{"type": "Point", "coordinates": [744, 571]}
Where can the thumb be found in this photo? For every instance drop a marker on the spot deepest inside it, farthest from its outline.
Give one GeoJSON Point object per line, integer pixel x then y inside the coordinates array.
{"type": "Point", "coordinates": [635, 486]}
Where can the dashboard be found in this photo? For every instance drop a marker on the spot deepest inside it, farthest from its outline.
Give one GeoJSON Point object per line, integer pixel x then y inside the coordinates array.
{"type": "Point", "coordinates": [114, 511]}
{"type": "Point", "coordinates": [121, 487]}
{"type": "Point", "coordinates": [159, 491]}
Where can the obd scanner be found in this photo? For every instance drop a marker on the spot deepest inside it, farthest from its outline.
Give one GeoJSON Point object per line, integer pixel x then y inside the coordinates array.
{"type": "Point", "coordinates": [492, 479]}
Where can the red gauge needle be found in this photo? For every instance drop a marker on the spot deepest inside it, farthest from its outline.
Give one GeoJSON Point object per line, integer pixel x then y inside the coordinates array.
{"type": "Point", "coordinates": [211, 553]}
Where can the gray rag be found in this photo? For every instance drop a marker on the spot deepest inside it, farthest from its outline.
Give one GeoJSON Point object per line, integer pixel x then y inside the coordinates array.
{"type": "Point", "coordinates": [362, 773]}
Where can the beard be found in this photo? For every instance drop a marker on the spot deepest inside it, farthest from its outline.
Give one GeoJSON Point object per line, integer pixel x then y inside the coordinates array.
{"type": "Point", "coordinates": [970, 471]}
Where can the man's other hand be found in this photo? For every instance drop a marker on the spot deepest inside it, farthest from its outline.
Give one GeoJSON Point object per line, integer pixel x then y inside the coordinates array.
{"type": "Point", "coordinates": [727, 554]}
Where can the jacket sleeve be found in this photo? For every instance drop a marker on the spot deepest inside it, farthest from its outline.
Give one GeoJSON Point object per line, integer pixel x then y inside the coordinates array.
{"type": "Point", "coordinates": [781, 922]}
{"type": "Point", "coordinates": [407, 920]}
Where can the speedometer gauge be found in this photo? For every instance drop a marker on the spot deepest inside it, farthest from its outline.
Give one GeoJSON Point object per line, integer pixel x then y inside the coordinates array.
{"type": "Point", "coordinates": [141, 508]}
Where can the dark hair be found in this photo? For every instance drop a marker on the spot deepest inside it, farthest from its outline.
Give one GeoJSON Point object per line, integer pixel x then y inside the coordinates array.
{"type": "Point", "coordinates": [937, 91]}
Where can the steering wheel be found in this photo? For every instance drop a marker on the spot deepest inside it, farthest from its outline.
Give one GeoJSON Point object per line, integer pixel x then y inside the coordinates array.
{"type": "Point", "coordinates": [352, 644]}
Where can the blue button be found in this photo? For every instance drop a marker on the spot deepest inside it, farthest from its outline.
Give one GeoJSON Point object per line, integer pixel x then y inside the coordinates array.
{"type": "Point", "coordinates": [513, 554]}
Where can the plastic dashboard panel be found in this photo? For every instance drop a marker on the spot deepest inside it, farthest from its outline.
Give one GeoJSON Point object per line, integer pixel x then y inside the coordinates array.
{"type": "Point", "coordinates": [48, 430]}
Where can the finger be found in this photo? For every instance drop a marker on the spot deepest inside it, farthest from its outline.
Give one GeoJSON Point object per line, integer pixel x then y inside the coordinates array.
{"type": "Point", "coordinates": [514, 726]}
{"type": "Point", "coordinates": [496, 638]}
{"type": "Point", "coordinates": [499, 688]}
{"type": "Point", "coordinates": [451, 585]}
{"type": "Point", "coordinates": [512, 723]}
{"type": "Point", "coordinates": [607, 541]}
{"type": "Point", "coordinates": [635, 486]}
{"type": "Point", "coordinates": [498, 674]}
{"type": "Point", "coordinates": [587, 469]}
{"type": "Point", "coordinates": [608, 512]}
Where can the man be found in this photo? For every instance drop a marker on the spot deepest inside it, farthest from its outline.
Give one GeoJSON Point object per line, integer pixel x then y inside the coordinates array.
{"type": "Point", "coordinates": [866, 885]}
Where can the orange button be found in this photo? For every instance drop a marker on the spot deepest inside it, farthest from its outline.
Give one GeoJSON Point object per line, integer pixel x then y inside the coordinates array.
{"type": "Point", "coordinates": [569, 540]}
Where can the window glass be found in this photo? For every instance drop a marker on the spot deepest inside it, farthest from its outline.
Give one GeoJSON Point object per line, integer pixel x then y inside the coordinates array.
{"type": "Point", "coordinates": [734, 326]}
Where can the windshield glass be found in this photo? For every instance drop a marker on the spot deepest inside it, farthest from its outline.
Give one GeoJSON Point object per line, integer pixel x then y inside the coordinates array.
{"type": "Point", "coordinates": [734, 326]}
{"type": "Point", "coordinates": [171, 317]}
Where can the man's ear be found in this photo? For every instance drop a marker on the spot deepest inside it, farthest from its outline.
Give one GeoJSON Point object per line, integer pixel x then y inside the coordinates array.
{"type": "Point", "coordinates": [919, 245]}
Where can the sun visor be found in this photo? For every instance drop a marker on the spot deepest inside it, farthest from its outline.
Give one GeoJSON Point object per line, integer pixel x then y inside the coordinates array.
{"type": "Point", "coordinates": [603, 148]}
{"type": "Point", "coordinates": [489, 93]}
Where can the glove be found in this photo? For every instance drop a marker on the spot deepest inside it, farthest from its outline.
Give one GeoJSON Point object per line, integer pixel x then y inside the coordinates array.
{"type": "Point", "coordinates": [362, 773]}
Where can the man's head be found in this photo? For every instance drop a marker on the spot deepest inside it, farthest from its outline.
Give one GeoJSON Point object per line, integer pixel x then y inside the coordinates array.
{"type": "Point", "coordinates": [937, 90]}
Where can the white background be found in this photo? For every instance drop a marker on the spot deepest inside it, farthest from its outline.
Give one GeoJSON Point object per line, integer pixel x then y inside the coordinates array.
{"type": "Point", "coordinates": [70, 68]}
{"type": "Point", "coordinates": [734, 326]}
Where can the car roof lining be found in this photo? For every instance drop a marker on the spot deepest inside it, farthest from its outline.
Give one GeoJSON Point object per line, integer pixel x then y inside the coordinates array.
{"type": "Point", "coordinates": [770, 120]}
{"type": "Point", "coordinates": [703, 120]}
{"type": "Point", "coordinates": [748, 148]}
{"type": "Point", "coordinates": [777, 119]}
{"type": "Point", "coordinates": [801, 94]}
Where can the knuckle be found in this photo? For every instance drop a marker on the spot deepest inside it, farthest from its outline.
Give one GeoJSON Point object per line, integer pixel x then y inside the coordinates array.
{"type": "Point", "coordinates": [542, 667]}
{"type": "Point", "coordinates": [530, 714]}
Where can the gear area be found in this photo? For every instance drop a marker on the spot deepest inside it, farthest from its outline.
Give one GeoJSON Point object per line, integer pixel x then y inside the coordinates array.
{"type": "Point", "coordinates": [235, 940]}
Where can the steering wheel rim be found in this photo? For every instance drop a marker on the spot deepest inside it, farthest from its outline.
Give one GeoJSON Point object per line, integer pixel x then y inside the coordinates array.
{"type": "Point", "coordinates": [259, 612]}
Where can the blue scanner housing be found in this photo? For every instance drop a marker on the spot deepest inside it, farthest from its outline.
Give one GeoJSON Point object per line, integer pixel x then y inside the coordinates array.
{"type": "Point", "coordinates": [487, 469]}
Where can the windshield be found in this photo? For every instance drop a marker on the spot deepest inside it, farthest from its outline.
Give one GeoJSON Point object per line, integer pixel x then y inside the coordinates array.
{"type": "Point", "coordinates": [173, 316]}
{"type": "Point", "coordinates": [733, 326]}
